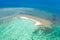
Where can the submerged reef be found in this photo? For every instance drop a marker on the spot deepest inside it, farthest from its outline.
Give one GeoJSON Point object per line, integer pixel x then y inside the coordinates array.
{"type": "Point", "coordinates": [19, 24]}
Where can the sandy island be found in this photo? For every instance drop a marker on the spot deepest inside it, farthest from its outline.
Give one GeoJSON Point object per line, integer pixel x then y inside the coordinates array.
{"type": "Point", "coordinates": [38, 21]}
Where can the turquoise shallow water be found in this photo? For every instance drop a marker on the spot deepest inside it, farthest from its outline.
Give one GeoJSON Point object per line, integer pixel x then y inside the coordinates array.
{"type": "Point", "coordinates": [16, 29]}
{"type": "Point", "coordinates": [20, 29]}
{"type": "Point", "coordinates": [47, 33]}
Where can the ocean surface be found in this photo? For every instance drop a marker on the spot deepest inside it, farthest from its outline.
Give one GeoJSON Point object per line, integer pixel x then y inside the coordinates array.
{"type": "Point", "coordinates": [46, 9]}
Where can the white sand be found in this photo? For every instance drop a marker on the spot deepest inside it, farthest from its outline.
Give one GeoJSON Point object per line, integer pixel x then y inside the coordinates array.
{"type": "Point", "coordinates": [36, 22]}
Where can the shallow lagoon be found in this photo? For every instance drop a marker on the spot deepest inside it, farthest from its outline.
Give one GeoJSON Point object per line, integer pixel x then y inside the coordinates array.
{"type": "Point", "coordinates": [20, 29]}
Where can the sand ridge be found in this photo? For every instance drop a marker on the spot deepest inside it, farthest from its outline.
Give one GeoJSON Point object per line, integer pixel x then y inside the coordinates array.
{"type": "Point", "coordinates": [38, 21]}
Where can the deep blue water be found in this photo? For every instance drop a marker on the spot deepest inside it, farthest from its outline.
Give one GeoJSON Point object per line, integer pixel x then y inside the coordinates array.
{"type": "Point", "coordinates": [47, 5]}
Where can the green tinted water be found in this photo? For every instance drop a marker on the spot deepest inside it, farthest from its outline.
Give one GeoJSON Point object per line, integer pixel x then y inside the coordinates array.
{"type": "Point", "coordinates": [21, 29]}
